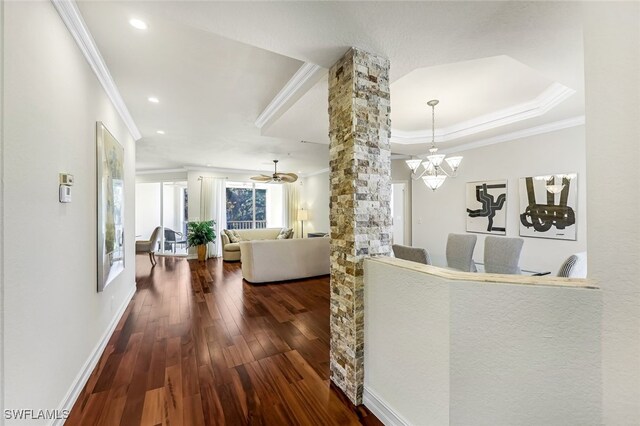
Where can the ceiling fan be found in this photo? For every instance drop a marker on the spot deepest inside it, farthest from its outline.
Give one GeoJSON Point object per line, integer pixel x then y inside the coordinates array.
{"type": "Point", "coordinates": [276, 177]}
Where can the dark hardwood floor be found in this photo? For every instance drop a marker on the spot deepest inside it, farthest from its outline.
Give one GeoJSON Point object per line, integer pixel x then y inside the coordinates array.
{"type": "Point", "coordinates": [198, 346]}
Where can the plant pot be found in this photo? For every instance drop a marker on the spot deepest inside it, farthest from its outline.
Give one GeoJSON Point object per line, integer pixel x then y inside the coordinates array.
{"type": "Point", "coordinates": [202, 252]}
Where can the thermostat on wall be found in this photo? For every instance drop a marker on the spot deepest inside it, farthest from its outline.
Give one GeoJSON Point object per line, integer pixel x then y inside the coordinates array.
{"type": "Point", "coordinates": [65, 193]}
{"type": "Point", "coordinates": [66, 179]}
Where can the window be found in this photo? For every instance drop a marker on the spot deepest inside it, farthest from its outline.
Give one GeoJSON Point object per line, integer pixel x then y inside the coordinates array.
{"type": "Point", "coordinates": [246, 205]}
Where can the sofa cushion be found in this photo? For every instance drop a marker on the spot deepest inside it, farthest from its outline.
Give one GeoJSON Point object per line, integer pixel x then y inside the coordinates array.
{"type": "Point", "coordinates": [232, 247]}
{"type": "Point", "coordinates": [258, 234]}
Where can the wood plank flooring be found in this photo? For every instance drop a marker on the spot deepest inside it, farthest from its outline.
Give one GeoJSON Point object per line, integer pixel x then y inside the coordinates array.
{"type": "Point", "coordinates": [199, 346]}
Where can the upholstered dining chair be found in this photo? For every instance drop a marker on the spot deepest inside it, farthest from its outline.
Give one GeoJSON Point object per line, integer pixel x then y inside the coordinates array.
{"type": "Point", "coordinates": [502, 255]}
{"type": "Point", "coordinates": [575, 266]}
{"type": "Point", "coordinates": [414, 254]}
{"type": "Point", "coordinates": [460, 252]}
{"type": "Point", "coordinates": [150, 246]}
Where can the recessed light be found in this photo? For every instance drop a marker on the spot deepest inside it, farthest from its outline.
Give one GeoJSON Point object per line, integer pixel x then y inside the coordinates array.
{"type": "Point", "coordinates": [160, 132]}
{"type": "Point", "coordinates": [138, 24]}
{"type": "Point", "coordinates": [208, 165]}
{"type": "Point", "coordinates": [153, 100]}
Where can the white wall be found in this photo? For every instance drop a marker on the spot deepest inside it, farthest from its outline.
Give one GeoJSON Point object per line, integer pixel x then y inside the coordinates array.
{"type": "Point", "coordinates": [147, 208]}
{"type": "Point", "coordinates": [314, 196]}
{"type": "Point", "coordinates": [401, 173]}
{"type": "Point", "coordinates": [436, 214]}
{"type": "Point", "coordinates": [612, 82]}
{"type": "Point", "coordinates": [442, 351]}
{"type": "Point", "coordinates": [1, 209]}
{"type": "Point", "coordinates": [54, 317]}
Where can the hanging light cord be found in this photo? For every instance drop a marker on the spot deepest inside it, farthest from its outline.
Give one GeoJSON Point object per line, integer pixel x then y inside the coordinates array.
{"type": "Point", "coordinates": [433, 126]}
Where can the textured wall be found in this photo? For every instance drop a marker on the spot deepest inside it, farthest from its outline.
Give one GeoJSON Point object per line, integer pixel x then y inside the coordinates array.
{"type": "Point", "coordinates": [444, 352]}
{"type": "Point", "coordinates": [360, 214]}
{"type": "Point", "coordinates": [612, 81]}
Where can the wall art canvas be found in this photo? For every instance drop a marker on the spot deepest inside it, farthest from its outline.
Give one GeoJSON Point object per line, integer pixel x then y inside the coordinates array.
{"type": "Point", "coordinates": [548, 206]}
{"type": "Point", "coordinates": [110, 167]}
{"type": "Point", "coordinates": [487, 207]}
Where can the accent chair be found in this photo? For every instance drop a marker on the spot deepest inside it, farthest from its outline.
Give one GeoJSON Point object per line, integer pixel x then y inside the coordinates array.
{"type": "Point", "coordinates": [150, 246]}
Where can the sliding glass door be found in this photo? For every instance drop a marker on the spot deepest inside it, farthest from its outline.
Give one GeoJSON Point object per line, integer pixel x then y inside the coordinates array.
{"type": "Point", "coordinates": [163, 204]}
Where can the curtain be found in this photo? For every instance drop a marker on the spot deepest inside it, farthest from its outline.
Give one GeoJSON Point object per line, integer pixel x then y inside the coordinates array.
{"type": "Point", "coordinates": [291, 201]}
{"type": "Point", "coordinates": [213, 206]}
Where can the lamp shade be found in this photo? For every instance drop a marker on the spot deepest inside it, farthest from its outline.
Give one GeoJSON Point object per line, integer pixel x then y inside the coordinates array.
{"type": "Point", "coordinates": [413, 164]}
{"type": "Point", "coordinates": [454, 162]}
{"type": "Point", "coordinates": [303, 214]}
{"type": "Point", "coordinates": [434, 182]}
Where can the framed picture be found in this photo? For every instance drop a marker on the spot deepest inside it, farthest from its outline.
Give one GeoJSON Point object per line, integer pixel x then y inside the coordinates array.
{"type": "Point", "coordinates": [110, 180]}
{"type": "Point", "coordinates": [487, 207]}
{"type": "Point", "coordinates": [548, 206]}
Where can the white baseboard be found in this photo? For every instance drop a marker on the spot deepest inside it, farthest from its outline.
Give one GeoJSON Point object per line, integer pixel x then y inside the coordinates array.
{"type": "Point", "coordinates": [381, 409]}
{"type": "Point", "coordinates": [88, 367]}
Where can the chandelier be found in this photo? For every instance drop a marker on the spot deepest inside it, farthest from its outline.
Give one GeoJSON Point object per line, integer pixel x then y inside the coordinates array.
{"type": "Point", "coordinates": [434, 173]}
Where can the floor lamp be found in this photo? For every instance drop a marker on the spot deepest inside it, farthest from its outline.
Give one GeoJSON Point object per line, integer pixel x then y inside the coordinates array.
{"type": "Point", "coordinates": [302, 216]}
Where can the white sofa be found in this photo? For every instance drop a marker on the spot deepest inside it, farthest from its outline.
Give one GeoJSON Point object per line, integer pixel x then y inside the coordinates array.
{"type": "Point", "coordinates": [231, 251]}
{"type": "Point", "coordinates": [281, 260]}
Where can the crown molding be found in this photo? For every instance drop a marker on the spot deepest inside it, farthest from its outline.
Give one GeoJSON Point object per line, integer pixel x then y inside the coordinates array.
{"type": "Point", "coordinates": [532, 131]}
{"type": "Point", "coordinates": [159, 171]}
{"type": "Point", "coordinates": [317, 172]}
{"type": "Point", "coordinates": [541, 104]}
{"type": "Point", "coordinates": [306, 76]}
{"type": "Point", "coordinates": [71, 16]}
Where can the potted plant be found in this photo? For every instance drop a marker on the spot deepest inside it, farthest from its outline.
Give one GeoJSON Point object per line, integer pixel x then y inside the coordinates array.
{"type": "Point", "coordinates": [199, 234]}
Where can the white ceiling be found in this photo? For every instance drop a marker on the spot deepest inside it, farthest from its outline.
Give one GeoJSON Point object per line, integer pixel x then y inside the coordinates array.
{"type": "Point", "coordinates": [466, 89]}
{"type": "Point", "coordinates": [216, 65]}
{"type": "Point", "coordinates": [211, 89]}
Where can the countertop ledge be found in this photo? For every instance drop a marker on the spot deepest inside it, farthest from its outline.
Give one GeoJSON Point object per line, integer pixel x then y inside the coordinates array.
{"type": "Point", "coordinates": [450, 274]}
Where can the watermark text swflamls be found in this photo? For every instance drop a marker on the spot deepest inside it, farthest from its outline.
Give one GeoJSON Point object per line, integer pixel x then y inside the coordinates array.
{"type": "Point", "coordinates": [31, 414]}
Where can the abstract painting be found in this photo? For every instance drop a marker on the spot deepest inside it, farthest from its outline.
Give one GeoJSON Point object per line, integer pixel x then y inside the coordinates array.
{"type": "Point", "coordinates": [487, 207]}
{"type": "Point", "coordinates": [548, 206]}
{"type": "Point", "coordinates": [110, 167]}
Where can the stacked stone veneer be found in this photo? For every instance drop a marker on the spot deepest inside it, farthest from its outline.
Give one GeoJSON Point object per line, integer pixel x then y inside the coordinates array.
{"type": "Point", "coordinates": [360, 213]}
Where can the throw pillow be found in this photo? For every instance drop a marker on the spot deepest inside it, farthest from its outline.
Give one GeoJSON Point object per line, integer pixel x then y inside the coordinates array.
{"type": "Point", "coordinates": [234, 237]}
{"type": "Point", "coordinates": [283, 234]}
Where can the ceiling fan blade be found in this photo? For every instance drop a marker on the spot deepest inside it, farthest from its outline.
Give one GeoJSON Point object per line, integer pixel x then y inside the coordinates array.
{"type": "Point", "coordinates": [287, 177]}
{"type": "Point", "coordinates": [261, 178]}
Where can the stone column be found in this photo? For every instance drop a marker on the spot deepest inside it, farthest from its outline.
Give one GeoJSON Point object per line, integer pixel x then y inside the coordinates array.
{"type": "Point", "coordinates": [360, 213]}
